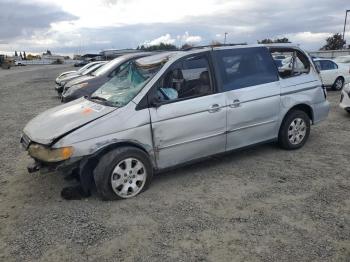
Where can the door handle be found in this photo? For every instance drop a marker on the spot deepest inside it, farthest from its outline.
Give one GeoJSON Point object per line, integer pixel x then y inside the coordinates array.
{"type": "Point", "coordinates": [236, 103]}
{"type": "Point", "coordinates": [214, 108]}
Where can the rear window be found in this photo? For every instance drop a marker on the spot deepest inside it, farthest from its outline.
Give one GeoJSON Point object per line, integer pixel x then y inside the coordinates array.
{"type": "Point", "coordinates": [240, 68]}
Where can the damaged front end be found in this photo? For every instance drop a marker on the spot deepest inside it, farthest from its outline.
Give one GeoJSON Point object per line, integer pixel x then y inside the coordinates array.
{"type": "Point", "coordinates": [46, 158]}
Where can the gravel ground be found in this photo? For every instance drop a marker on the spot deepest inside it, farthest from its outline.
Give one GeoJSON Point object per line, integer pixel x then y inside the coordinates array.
{"type": "Point", "coordinates": [260, 204]}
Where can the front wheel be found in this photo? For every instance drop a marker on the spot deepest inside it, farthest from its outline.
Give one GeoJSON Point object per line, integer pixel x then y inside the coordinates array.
{"type": "Point", "coordinates": [123, 173]}
{"type": "Point", "coordinates": [295, 130]}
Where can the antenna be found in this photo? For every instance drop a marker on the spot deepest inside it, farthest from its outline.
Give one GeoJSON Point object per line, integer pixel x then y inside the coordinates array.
{"type": "Point", "coordinates": [225, 38]}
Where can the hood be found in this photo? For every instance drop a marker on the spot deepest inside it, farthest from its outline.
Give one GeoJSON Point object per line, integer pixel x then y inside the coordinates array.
{"type": "Point", "coordinates": [63, 76]}
{"type": "Point", "coordinates": [69, 77]}
{"type": "Point", "coordinates": [57, 121]}
{"type": "Point", "coordinates": [66, 73]}
{"type": "Point", "coordinates": [79, 80]}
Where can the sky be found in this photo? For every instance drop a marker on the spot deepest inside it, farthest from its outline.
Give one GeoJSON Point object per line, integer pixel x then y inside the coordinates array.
{"type": "Point", "coordinates": [89, 26]}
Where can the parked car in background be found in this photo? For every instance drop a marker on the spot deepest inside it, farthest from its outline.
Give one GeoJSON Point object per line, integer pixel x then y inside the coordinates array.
{"type": "Point", "coordinates": [62, 75]}
{"type": "Point", "coordinates": [332, 74]}
{"type": "Point", "coordinates": [19, 63]}
{"type": "Point", "coordinates": [88, 69]}
{"type": "Point", "coordinates": [73, 72]}
{"type": "Point", "coordinates": [345, 98]}
{"type": "Point", "coordinates": [87, 84]}
{"type": "Point", "coordinates": [81, 63]}
{"type": "Point", "coordinates": [156, 113]}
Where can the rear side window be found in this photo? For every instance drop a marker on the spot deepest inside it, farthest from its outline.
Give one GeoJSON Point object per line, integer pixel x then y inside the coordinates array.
{"type": "Point", "coordinates": [240, 68]}
{"type": "Point", "coordinates": [290, 62]}
{"type": "Point", "coordinates": [326, 65]}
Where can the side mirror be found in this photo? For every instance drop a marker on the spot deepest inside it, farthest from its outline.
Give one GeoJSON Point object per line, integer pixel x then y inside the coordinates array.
{"type": "Point", "coordinates": [155, 102]}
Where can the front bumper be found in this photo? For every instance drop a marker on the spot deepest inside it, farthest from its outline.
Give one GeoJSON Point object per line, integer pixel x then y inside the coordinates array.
{"type": "Point", "coordinates": [66, 166]}
{"type": "Point", "coordinates": [59, 89]}
{"type": "Point", "coordinates": [38, 165]}
{"type": "Point", "coordinates": [66, 99]}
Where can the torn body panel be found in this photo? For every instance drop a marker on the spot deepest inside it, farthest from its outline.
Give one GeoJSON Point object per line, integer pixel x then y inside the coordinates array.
{"type": "Point", "coordinates": [124, 126]}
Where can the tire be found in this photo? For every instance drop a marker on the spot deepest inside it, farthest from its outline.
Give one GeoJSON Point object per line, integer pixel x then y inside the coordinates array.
{"type": "Point", "coordinates": [289, 133]}
{"type": "Point", "coordinates": [125, 168]}
{"type": "Point", "coordinates": [338, 84]}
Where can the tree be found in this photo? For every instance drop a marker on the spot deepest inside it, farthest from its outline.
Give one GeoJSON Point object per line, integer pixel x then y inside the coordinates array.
{"type": "Point", "coordinates": [159, 47]}
{"type": "Point", "coordinates": [32, 57]}
{"type": "Point", "coordinates": [20, 54]}
{"type": "Point", "coordinates": [270, 41]}
{"type": "Point", "coordinates": [282, 40]}
{"type": "Point", "coordinates": [334, 42]}
{"type": "Point", "coordinates": [215, 43]}
{"type": "Point", "coordinates": [24, 55]}
{"type": "Point", "coordinates": [265, 41]}
{"type": "Point", "coordinates": [48, 52]}
{"type": "Point", "coordinates": [186, 46]}
{"type": "Point", "coordinates": [16, 53]}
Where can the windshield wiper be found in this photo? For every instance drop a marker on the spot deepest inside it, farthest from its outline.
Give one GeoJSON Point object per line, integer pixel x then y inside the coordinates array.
{"type": "Point", "coordinates": [104, 100]}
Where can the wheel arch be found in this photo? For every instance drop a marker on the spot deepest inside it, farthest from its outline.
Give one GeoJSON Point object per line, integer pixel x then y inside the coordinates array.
{"type": "Point", "coordinates": [125, 143]}
{"type": "Point", "coordinates": [302, 107]}
{"type": "Point", "coordinates": [340, 76]}
{"type": "Point", "coordinates": [88, 164]}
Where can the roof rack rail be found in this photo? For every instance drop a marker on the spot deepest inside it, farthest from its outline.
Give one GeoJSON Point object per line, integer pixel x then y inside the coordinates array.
{"type": "Point", "coordinates": [212, 46]}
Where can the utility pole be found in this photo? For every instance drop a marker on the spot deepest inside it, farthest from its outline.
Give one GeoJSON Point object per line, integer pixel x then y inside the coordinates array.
{"type": "Point", "coordinates": [226, 36]}
{"type": "Point", "coordinates": [346, 16]}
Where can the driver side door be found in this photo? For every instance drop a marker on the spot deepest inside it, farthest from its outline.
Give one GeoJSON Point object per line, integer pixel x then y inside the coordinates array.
{"type": "Point", "coordinates": [191, 123]}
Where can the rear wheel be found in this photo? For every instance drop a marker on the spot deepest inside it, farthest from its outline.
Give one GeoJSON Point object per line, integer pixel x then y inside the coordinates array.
{"type": "Point", "coordinates": [123, 173]}
{"type": "Point", "coordinates": [295, 130]}
{"type": "Point", "coordinates": [338, 84]}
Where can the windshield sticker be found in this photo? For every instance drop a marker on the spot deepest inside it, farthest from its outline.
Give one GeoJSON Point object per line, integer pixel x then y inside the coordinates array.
{"type": "Point", "coordinates": [86, 111]}
{"type": "Point", "coordinates": [92, 107]}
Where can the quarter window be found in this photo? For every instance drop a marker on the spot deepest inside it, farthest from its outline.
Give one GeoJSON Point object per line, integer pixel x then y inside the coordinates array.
{"type": "Point", "coordinates": [290, 62]}
{"type": "Point", "coordinates": [245, 67]}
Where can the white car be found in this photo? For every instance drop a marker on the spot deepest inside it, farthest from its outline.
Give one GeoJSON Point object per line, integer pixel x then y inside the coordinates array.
{"type": "Point", "coordinates": [333, 74]}
{"type": "Point", "coordinates": [345, 98]}
{"type": "Point", "coordinates": [19, 63]}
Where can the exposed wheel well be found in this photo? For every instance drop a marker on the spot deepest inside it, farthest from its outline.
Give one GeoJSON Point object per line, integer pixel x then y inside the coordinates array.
{"type": "Point", "coordinates": [303, 107]}
{"type": "Point", "coordinates": [342, 77]}
{"type": "Point", "coordinates": [88, 165]}
{"type": "Point", "coordinates": [118, 144]}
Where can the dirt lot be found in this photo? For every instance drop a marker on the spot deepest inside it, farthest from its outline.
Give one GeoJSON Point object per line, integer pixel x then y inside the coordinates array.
{"type": "Point", "coordinates": [261, 204]}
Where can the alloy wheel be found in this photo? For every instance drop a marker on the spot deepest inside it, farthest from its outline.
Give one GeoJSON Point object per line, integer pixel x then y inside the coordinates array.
{"type": "Point", "coordinates": [128, 177]}
{"type": "Point", "coordinates": [296, 131]}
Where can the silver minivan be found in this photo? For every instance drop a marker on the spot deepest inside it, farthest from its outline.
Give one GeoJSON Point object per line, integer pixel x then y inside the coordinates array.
{"type": "Point", "coordinates": [172, 108]}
